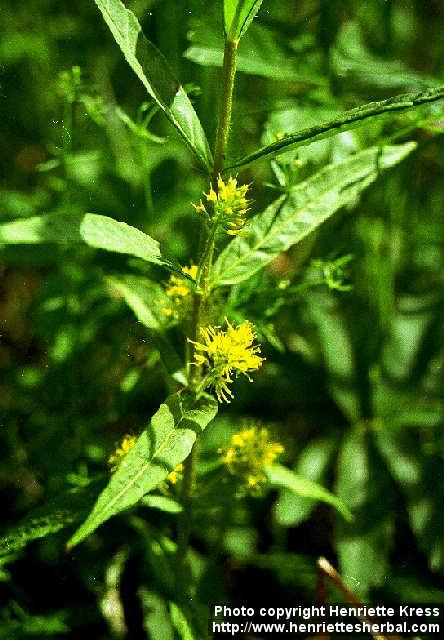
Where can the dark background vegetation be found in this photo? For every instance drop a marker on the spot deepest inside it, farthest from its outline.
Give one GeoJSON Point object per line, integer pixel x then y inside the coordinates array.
{"type": "Point", "coordinates": [353, 377]}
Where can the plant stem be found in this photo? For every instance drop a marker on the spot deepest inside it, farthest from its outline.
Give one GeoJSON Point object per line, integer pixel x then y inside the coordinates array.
{"type": "Point", "coordinates": [225, 106]}
{"type": "Point", "coordinates": [200, 302]}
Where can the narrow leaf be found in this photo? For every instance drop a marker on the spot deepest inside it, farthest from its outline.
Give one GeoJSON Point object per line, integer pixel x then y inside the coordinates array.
{"type": "Point", "coordinates": [153, 70]}
{"type": "Point", "coordinates": [238, 15]}
{"type": "Point", "coordinates": [105, 233]}
{"type": "Point", "coordinates": [163, 503]}
{"type": "Point", "coordinates": [292, 509]}
{"type": "Point", "coordinates": [96, 231]}
{"type": "Point", "coordinates": [347, 120]}
{"type": "Point", "coordinates": [148, 301]}
{"type": "Point", "coordinates": [282, 478]}
{"type": "Point", "coordinates": [292, 217]}
{"type": "Point", "coordinates": [59, 513]}
{"type": "Point", "coordinates": [164, 444]}
{"type": "Point", "coordinates": [261, 54]}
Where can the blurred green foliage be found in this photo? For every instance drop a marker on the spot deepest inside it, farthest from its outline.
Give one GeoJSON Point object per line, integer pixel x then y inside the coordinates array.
{"type": "Point", "coordinates": [349, 319]}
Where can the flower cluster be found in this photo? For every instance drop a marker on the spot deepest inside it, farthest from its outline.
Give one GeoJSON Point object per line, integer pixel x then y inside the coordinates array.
{"type": "Point", "coordinates": [250, 451]}
{"type": "Point", "coordinates": [224, 353]}
{"type": "Point", "coordinates": [178, 291]}
{"type": "Point", "coordinates": [176, 474]}
{"type": "Point", "coordinates": [126, 444]}
{"type": "Point", "coordinates": [229, 205]}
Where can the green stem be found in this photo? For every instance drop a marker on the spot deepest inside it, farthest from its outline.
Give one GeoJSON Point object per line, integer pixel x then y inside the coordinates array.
{"type": "Point", "coordinates": [225, 107]}
{"type": "Point", "coordinates": [200, 302]}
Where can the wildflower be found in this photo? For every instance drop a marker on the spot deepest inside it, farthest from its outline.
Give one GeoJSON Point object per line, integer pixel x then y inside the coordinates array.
{"type": "Point", "coordinates": [178, 290]}
{"type": "Point", "coordinates": [176, 474]}
{"type": "Point", "coordinates": [229, 205]}
{"type": "Point", "coordinates": [224, 353]}
{"type": "Point", "coordinates": [126, 444]}
{"type": "Point", "coordinates": [250, 451]}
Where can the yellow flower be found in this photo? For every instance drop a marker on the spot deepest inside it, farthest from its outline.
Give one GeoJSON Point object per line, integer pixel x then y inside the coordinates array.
{"type": "Point", "coordinates": [250, 451]}
{"type": "Point", "coordinates": [229, 205]}
{"type": "Point", "coordinates": [125, 446]}
{"type": "Point", "coordinates": [176, 474]}
{"type": "Point", "coordinates": [224, 353]}
{"type": "Point", "coordinates": [178, 289]}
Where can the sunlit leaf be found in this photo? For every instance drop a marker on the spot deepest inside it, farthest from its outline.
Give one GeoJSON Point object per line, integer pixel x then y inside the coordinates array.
{"type": "Point", "coordinates": [95, 230]}
{"type": "Point", "coordinates": [162, 503]}
{"type": "Point", "coordinates": [153, 70]}
{"type": "Point", "coordinates": [347, 120]}
{"type": "Point", "coordinates": [164, 444]}
{"type": "Point", "coordinates": [292, 217]}
{"type": "Point", "coordinates": [181, 623]}
{"type": "Point", "coordinates": [238, 15]}
{"type": "Point", "coordinates": [283, 478]}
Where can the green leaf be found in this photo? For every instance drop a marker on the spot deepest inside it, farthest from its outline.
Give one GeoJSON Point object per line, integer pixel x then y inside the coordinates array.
{"type": "Point", "coordinates": [363, 546]}
{"type": "Point", "coordinates": [352, 62]}
{"type": "Point", "coordinates": [156, 618]}
{"type": "Point", "coordinates": [96, 231]}
{"type": "Point", "coordinates": [181, 623]}
{"type": "Point", "coordinates": [353, 469]}
{"type": "Point", "coordinates": [261, 54]}
{"type": "Point", "coordinates": [337, 350]}
{"type": "Point", "coordinates": [148, 300]}
{"type": "Point", "coordinates": [153, 70]}
{"type": "Point", "coordinates": [347, 120]}
{"type": "Point", "coordinates": [238, 15]}
{"type": "Point", "coordinates": [415, 472]}
{"type": "Point", "coordinates": [292, 217]}
{"type": "Point", "coordinates": [282, 478]}
{"type": "Point", "coordinates": [291, 508]}
{"type": "Point", "coordinates": [105, 233]}
{"type": "Point", "coordinates": [364, 556]}
{"type": "Point", "coordinates": [34, 626]}
{"type": "Point", "coordinates": [163, 503]}
{"type": "Point", "coordinates": [59, 513]}
{"type": "Point", "coordinates": [164, 444]}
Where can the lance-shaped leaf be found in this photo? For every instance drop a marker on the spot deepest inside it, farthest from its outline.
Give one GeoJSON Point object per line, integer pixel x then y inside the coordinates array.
{"type": "Point", "coordinates": [97, 231]}
{"type": "Point", "coordinates": [153, 70]}
{"type": "Point", "coordinates": [347, 120]}
{"type": "Point", "coordinates": [282, 478]}
{"type": "Point", "coordinates": [291, 509]}
{"type": "Point", "coordinates": [150, 304]}
{"type": "Point", "coordinates": [164, 444]}
{"type": "Point", "coordinates": [238, 15]}
{"type": "Point", "coordinates": [59, 512]}
{"type": "Point", "coordinates": [292, 217]}
{"type": "Point", "coordinates": [147, 299]}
